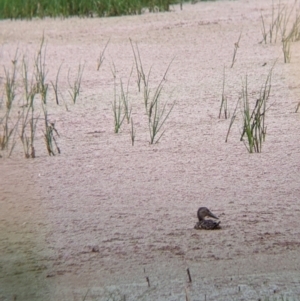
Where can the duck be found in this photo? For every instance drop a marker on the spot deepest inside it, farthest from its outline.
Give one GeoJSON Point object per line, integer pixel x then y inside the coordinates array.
{"type": "Point", "coordinates": [206, 224]}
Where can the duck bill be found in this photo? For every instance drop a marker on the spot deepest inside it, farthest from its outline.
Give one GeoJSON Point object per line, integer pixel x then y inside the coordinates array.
{"type": "Point", "coordinates": [212, 215]}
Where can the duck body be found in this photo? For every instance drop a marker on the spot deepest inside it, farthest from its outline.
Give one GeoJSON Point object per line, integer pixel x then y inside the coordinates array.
{"type": "Point", "coordinates": [206, 224]}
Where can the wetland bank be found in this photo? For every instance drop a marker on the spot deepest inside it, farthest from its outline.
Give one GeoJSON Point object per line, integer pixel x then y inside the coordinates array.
{"type": "Point", "coordinates": [98, 219]}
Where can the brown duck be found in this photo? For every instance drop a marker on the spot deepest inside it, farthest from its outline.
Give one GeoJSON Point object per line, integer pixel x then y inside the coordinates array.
{"type": "Point", "coordinates": [206, 224]}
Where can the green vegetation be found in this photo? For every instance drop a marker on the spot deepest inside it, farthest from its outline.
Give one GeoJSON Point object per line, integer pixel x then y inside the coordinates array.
{"type": "Point", "coordinates": [118, 111]}
{"type": "Point", "coordinates": [139, 66]}
{"type": "Point", "coordinates": [121, 106]}
{"type": "Point", "coordinates": [125, 99]}
{"type": "Point", "coordinates": [49, 135]}
{"type": "Point", "coordinates": [254, 121]}
{"type": "Point", "coordinates": [286, 48]}
{"type": "Point", "coordinates": [40, 71]}
{"type": "Point", "coordinates": [157, 111]}
{"type": "Point", "coordinates": [236, 46]}
{"type": "Point", "coordinates": [24, 108]}
{"type": "Point", "coordinates": [25, 97]}
{"type": "Point", "coordinates": [223, 106]}
{"type": "Point", "coordinates": [75, 87]}
{"type": "Point", "coordinates": [101, 56]}
{"type": "Point", "coordinates": [55, 85]}
{"type": "Point", "coordinates": [283, 22]}
{"type": "Point", "coordinates": [254, 126]}
{"type": "Point", "coordinates": [7, 125]}
{"type": "Point", "coordinates": [28, 116]}
{"type": "Point", "coordinates": [132, 133]}
{"type": "Point", "coordinates": [19, 9]}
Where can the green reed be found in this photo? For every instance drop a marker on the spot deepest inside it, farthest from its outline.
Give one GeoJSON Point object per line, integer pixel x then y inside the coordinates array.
{"type": "Point", "coordinates": [19, 9]}
{"type": "Point", "coordinates": [254, 127]}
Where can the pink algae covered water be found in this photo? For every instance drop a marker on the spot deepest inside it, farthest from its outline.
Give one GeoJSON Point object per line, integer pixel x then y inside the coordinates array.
{"type": "Point", "coordinates": [104, 215]}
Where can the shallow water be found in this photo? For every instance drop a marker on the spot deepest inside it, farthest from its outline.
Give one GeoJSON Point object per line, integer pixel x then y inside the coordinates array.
{"type": "Point", "coordinates": [104, 215]}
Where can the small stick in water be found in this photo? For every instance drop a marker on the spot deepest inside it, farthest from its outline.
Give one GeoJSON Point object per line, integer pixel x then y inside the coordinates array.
{"type": "Point", "coordinates": [189, 274]}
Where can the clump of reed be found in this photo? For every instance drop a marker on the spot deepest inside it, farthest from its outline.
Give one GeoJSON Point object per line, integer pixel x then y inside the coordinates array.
{"type": "Point", "coordinates": [157, 111]}
{"type": "Point", "coordinates": [254, 127]}
{"type": "Point", "coordinates": [26, 120]}
{"type": "Point", "coordinates": [28, 116]}
{"type": "Point", "coordinates": [121, 105]}
{"type": "Point", "coordinates": [23, 120]}
{"type": "Point", "coordinates": [7, 125]}
{"type": "Point", "coordinates": [40, 71]}
{"type": "Point", "coordinates": [76, 85]}
{"type": "Point", "coordinates": [283, 23]}
{"type": "Point", "coordinates": [50, 135]}
{"type": "Point", "coordinates": [55, 85]}
{"type": "Point", "coordinates": [118, 102]}
{"type": "Point", "coordinates": [138, 64]}
{"type": "Point", "coordinates": [271, 31]}
{"type": "Point", "coordinates": [118, 111]}
{"type": "Point", "coordinates": [125, 98]}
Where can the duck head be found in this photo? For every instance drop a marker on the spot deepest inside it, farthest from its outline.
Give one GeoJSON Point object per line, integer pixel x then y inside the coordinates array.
{"type": "Point", "coordinates": [203, 212]}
